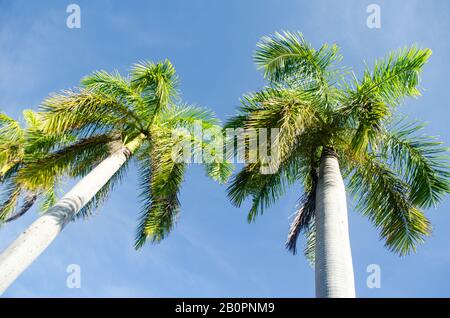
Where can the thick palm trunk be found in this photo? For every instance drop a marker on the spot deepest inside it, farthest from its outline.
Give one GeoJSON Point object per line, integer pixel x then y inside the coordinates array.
{"type": "Point", "coordinates": [333, 259]}
{"type": "Point", "coordinates": [38, 236]}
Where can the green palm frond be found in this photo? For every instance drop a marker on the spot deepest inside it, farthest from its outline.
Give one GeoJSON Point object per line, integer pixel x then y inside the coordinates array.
{"type": "Point", "coordinates": [111, 84]}
{"type": "Point", "coordinates": [182, 117]}
{"type": "Point", "coordinates": [32, 119]}
{"type": "Point", "coordinates": [297, 114]}
{"type": "Point", "coordinates": [15, 148]}
{"type": "Point", "coordinates": [11, 140]}
{"type": "Point", "coordinates": [385, 199]}
{"type": "Point", "coordinates": [48, 199]}
{"type": "Point", "coordinates": [212, 149]}
{"type": "Point", "coordinates": [294, 112]}
{"type": "Point", "coordinates": [310, 245]}
{"type": "Point", "coordinates": [38, 143]}
{"type": "Point", "coordinates": [286, 55]}
{"type": "Point", "coordinates": [186, 116]}
{"type": "Point", "coordinates": [304, 217]}
{"type": "Point", "coordinates": [115, 86]}
{"type": "Point", "coordinates": [422, 160]}
{"type": "Point", "coordinates": [372, 100]}
{"type": "Point", "coordinates": [267, 189]}
{"type": "Point", "coordinates": [219, 170]}
{"type": "Point", "coordinates": [9, 128]}
{"type": "Point", "coordinates": [83, 110]}
{"type": "Point", "coordinates": [264, 189]}
{"type": "Point", "coordinates": [395, 77]}
{"type": "Point", "coordinates": [41, 171]}
{"type": "Point", "coordinates": [161, 180]}
{"type": "Point", "coordinates": [9, 198]}
{"type": "Point", "coordinates": [157, 84]}
{"type": "Point", "coordinates": [27, 204]}
{"type": "Point", "coordinates": [147, 74]}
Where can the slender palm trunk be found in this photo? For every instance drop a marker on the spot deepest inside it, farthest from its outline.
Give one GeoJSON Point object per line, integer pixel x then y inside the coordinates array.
{"type": "Point", "coordinates": [333, 259]}
{"type": "Point", "coordinates": [40, 234]}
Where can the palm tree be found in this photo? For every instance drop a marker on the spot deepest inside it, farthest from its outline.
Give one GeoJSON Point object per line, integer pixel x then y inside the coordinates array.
{"type": "Point", "coordinates": [113, 120]}
{"type": "Point", "coordinates": [18, 146]}
{"type": "Point", "coordinates": [328, 126]}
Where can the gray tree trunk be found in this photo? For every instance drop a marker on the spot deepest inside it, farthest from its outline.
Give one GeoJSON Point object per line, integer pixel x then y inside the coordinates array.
{"type": "Point", "coordinates": [40, 234]}
{"type": "Point", "coordinates": [333, 259]}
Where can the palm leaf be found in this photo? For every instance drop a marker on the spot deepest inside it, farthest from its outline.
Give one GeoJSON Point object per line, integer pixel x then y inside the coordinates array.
{"type": "Point", "coordinates": [28, 202]}
{"type": "Point", "coordinates": [41, 172]}
{"type": "Point", "coordinates": [286, 55]}
{"type": "Point", "coordinates": [422, 160]}
{"type": "Point", "coordinates": [304, 217]}
{"type": "Point", "coordinates": [384, 198]}
{"type": "Point", "coordinates": [9, 197]}
{"type": "Point", "coordinates": [161, 179]}
{"type": "Point", "coordinates": [156, 82]}
{"type": "Point", "coordinates": [84, 111]}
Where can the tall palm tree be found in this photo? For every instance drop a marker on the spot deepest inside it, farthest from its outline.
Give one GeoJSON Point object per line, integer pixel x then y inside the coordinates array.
{"type": "Point", "coordinates": [113, 120]}
{"type": "Point", "coordinates": [18, 146]}
{"type": "Point", "coordinates": [329, 126]}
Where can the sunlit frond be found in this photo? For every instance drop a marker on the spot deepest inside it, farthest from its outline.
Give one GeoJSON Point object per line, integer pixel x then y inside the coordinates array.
{"type": "Point", "coordinates": [286, 55]}
{"type": "Point", "coordinates": [82, 110]}
{"type": "Point", "coordinates": [41, 171]}
{"type": "Point", "coordinates": [263, 189]}
{"type": "Point", "coordinates": [11, 140]}
{"type": "Point", "coordinates": [310, 245]}
{"type": "Point", "coordinates": [385, 199]}
{"type": "Point", "coordinates": [371, 102]}
{"type": "Point", "coordinates": [209, 145]}
{"type": "Point", "coordinates": [395, 77]}
{"type": "Point", "coordinates": [293, 112]}
{"type": "Point", "coordinates": [157, 83]}
{"type": "Point", "coordinates": [187, 116]}
{"type": "Point", "coordinates": [9, 198]}
{"type": "Point", "coordinates": [28, 202]}
{"type": "Point", "coordinates": [117, 87]}
{"type": "Point", "coordinates": [305, 213]}
{"type": "Point", "coordinates": [10, 129]}
{"type": "Point", "coordinates": [48, 198]}
{"type": "Point", "coordinates": [161, 179]}
{"type": "Point", "coordinates": [422, 160]}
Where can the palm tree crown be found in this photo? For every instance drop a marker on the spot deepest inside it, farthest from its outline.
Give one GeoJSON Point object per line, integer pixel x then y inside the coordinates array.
{"type": "Point", "coordinates": [21, 145]}
{"type": "Point", "coordinates": [137, 114]}
{"type": "Point", "coordinates": [392, 169]}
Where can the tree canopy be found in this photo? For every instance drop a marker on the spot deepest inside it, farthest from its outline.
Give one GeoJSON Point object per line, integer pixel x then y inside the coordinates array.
{"type": "Point", "coordinates": [391, 167]}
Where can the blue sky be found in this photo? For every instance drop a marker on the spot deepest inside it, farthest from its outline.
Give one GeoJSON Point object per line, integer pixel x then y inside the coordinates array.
{"type": "Point", "coordinates": [213, 252]}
